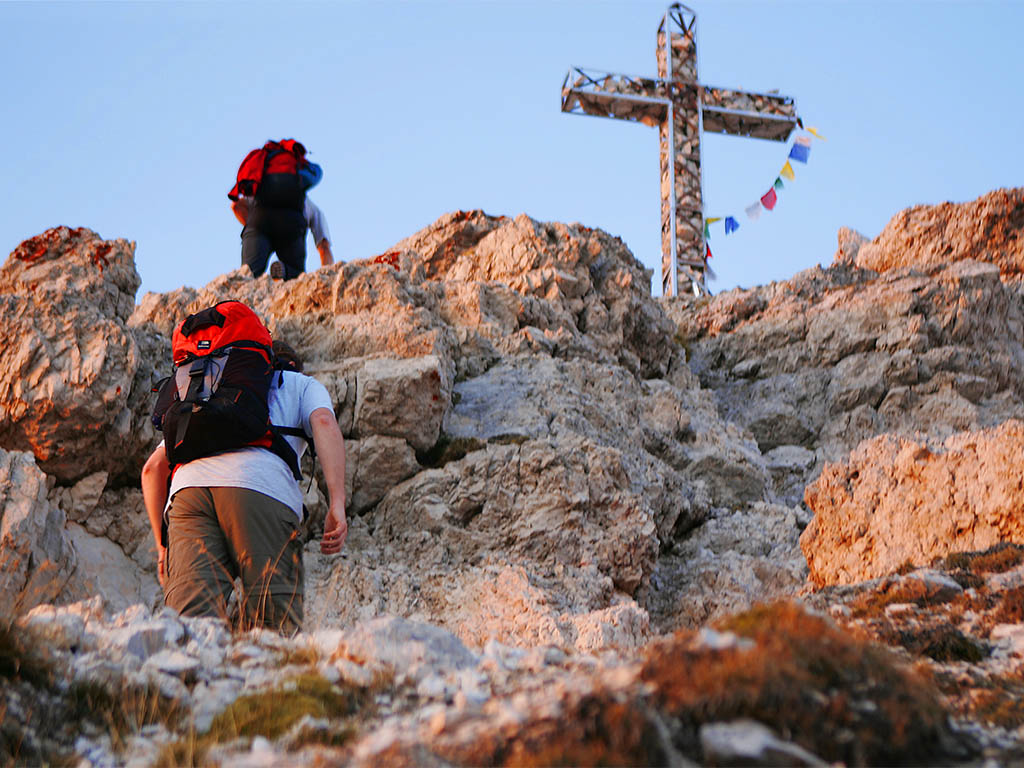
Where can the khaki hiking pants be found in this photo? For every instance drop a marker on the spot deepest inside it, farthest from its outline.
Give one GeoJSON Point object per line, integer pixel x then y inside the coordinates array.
{"type": "Point", "coordinates": [216, 535]}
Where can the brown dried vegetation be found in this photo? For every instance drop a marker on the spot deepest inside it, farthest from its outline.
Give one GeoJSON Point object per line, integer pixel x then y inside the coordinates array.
{"type": "Point", "coordinates": [998, 559]}
{"type": "Point", "coordinates": [940, 643]}
{"type": "Point", "coordinates": [831, 692]}
{"type": "Point", "coordinates": [1011, 607]}
{"type": "Point", "coordinates": [895, 591]}
{"type": "Point", "coordinates": [600, 729]}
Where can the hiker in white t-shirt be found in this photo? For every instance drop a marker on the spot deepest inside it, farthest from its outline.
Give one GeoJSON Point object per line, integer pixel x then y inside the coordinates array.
{"type": "Point", "coordinates": [237, 513]}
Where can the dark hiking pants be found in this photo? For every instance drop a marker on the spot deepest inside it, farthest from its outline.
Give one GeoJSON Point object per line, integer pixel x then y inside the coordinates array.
{"type": "Point", "coordinates": [275, 230]}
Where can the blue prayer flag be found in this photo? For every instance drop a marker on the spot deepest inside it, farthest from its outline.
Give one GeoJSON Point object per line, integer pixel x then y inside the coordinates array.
{"type": "Point", "coordinates": [731, 225]}
{"type": "Point", "coordinates": [800, 153]}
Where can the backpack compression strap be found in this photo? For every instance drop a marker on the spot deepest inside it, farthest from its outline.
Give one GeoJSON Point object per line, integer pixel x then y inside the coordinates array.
{"type": "Point", "coordinates": [281, 447]}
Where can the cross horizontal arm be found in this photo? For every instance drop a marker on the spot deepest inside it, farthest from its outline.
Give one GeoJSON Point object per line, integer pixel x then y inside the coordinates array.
{"type": "Point", "coordinates": [645, 100]}
{"type": "Point", "coordinates": [743, 113]}
{"type": "Point", "coordinates": [640, 99]}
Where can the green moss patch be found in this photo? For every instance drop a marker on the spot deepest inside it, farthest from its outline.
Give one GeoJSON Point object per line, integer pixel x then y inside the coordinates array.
{"type": "Point", "coordinates": [273, 713]}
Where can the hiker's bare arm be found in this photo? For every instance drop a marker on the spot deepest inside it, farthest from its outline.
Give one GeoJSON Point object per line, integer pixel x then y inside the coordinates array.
{"type": "Point", "coordinates": [326, 257]}
{"type": "Point", "coordinates": [330, 448]}
{"type": "Point", "coordinates": [241, 210]}
{"type": "Point", "coordinates": [154, 494]}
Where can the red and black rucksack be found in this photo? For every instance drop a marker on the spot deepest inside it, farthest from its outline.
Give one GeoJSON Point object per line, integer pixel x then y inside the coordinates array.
{"type": "Point", "coordinates": [270, 174]}
{"type": "Point", "coordinates": [216, 400]}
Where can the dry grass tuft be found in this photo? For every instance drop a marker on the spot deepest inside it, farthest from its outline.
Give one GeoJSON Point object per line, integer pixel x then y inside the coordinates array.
{"type": "Point", "coordinates": [1001, 705]}
{"type": "Point", "coordinates": [599, 729]}
{"type": "Point", "coordinates": [21, 660]}
{"type": "Point", "coordinates": [1011, 607]}
{"type": "Point", "coordinates": [894, 591]}
{"type": "Point", "coordinates": [832, 693]}
{"type": "Point", "coordinates": [998, 559]}
{"type": "Point", "coordinates": [941, 643]}
{"type": "Point", "coordinates": [124, 712]}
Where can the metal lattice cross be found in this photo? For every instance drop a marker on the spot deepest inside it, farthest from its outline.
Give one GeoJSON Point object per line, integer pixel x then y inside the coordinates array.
{"type": "Point", "coordinates": [681, 108]}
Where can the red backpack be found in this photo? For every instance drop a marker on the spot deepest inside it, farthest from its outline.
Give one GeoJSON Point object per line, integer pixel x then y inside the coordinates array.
{"type": "Point", "coordinates": [216, 400]}
{"type": "Point", "coordinates": [271, 175]}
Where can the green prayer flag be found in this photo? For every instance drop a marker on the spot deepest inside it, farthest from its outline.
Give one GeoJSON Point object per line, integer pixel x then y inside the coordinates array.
{"type": "Point", "coordinates": [778, 183]}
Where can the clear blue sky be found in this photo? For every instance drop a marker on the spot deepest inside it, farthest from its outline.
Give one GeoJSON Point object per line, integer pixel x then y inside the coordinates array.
{"type": "Point", "coordinates": [131, 119]}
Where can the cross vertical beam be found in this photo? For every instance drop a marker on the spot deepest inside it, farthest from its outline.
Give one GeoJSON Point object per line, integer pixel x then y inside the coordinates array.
{"type": "Point", "coordinates": [682, 214]}
{"type": "Point", "coordinates": [682, 109]}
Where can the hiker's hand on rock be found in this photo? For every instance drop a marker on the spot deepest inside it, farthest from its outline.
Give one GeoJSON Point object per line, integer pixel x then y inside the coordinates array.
{"type": "Point", "coordinates": [335, 530]}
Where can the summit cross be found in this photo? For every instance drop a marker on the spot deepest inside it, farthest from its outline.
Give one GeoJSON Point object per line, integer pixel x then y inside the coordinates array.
{"type": "Point", "coordinates": [682, 109]}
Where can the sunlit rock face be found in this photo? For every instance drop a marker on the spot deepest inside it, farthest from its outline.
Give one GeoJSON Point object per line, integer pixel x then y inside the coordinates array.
{"type": "Point", "coordinates": [895, 502]}
{"type": "Point", "coordinates": [905, 344]}
{"type": "Point", "coordinates": [926, 236]}
{"type": "Point", "coordinates": [71, 391]}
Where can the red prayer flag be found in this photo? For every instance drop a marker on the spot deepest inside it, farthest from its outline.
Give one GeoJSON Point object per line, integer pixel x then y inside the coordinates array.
{"type": "Point", "coordinates": [769, 198]}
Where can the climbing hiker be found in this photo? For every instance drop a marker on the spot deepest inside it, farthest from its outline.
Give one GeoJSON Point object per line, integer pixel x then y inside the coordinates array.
{"type": "Point", "coordinates": [315, 221]}
{"type": "Point", "coordinates": [222, 488]}
{"type": "Point", "coordinates": [269, 199]}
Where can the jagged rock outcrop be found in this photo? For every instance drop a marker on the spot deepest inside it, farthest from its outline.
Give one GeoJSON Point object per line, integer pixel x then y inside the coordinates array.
{"type": "Point", "coordinates": [69, 389]}
{"type": "Point", "coordinates": [36, 556]}
{"type": "Point", "coordinates": [517, 413]}
{"type": "Point", "coordinates": [988, 229]}
{"type": "Point", "coordinates": [838, 355]}
{"type": "Point", "coordinates": [895, 502]}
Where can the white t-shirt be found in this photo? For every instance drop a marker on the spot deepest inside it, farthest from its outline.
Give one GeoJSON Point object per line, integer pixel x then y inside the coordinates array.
{"type": "Point", "coordinates": [316, 221]}
{"type": "Point", "coordinates": [260, 469]}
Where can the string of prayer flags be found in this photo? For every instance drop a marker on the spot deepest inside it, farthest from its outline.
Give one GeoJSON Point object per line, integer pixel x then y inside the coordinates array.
{"type": "Point", "coordinates": [800, 151]}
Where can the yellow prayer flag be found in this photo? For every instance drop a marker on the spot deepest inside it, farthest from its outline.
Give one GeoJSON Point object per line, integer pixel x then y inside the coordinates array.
{"type": "Point", "coordinates": [787, 171]}
{"type": "Point", "coordinates": [817, 135]}
{"type": "Point", "coordinates": [713, 219]}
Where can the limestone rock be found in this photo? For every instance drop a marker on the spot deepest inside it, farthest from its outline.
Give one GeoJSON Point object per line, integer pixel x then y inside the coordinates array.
{"type": "Point", "coordinates": [898, 501]}
{"type": "Point", "coordinates": [36, 555]}
{"type": "Point", "coordinates": [103, 568]}
{"type": "Point", "coordinates": [402, 398]}
{"type": "Point", "coordinates": [925, 236]}
{"type": "Point", "coordinates": [407, 649]}
{"type": "Point", "coordinates": [373, 467]}
{"type": "Point", "coordinates": [850, 242]}
{"type": "Point", "coordinates": [835, 356]}
{"type": "Point", "coordinates": [728, 564]}
{"type": "Point", "coordinates": [748, 742]}
{"type": "Point", "coordinates": [67, 358]}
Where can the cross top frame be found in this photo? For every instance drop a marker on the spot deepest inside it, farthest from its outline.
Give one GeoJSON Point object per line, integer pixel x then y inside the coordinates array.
{"type": "Point", "coordinates": [682, 109]}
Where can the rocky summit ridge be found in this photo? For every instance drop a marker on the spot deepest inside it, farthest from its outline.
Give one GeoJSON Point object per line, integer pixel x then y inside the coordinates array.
{"type": "Point", "coordinates": [587, 526]}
